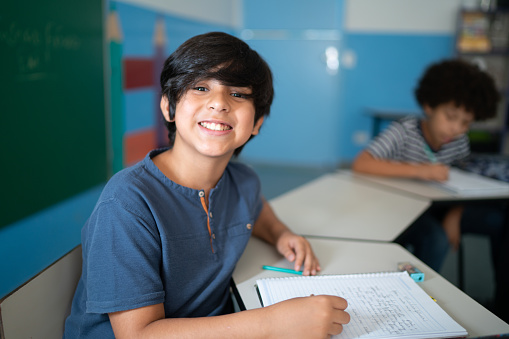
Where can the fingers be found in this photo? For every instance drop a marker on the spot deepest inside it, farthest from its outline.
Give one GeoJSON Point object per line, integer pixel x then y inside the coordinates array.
{"type": "Point", "coordinates": [336, 329]}
{"type": "Point", "coordinates": [290, 256]}
{"type": "Point", "coordinates": [298, 250]}
{"type": "Point", "coordinates": [340, 318]}
{"type": "Point", "coordinates": [306, 258]}
{"type": "Point", "coordinates": [338, 315]}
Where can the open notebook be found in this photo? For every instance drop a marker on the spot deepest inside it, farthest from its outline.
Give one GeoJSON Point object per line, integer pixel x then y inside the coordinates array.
{"type": "Point", "coordinates": [381, 305]}
{"type": "Point", "coordinates": [470, 183]}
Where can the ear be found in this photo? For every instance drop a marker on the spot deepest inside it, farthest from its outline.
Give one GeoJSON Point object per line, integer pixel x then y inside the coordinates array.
{"type": "Point", "coordinates": [427, 110]}
{"type": "Point", "coordinates": [257, 126]}
{"type": "Point", "coordinates": [165, 108]}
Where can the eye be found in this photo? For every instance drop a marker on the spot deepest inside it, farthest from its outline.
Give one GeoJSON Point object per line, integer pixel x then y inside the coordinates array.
{"type": "Point", "coordinates": [450, 115]}
{"type": "Point", "coordinates": [239, 95]}
{"type": "Point", "coordinates": [200, 88]}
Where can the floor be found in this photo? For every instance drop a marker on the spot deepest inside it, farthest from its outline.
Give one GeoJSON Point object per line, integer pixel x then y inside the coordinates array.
{"type": "Point", "coordinates": [478, 282]}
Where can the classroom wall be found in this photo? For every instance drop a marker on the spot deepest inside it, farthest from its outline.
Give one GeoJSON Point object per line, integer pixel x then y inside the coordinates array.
{"type": "Point", "coordinates": [149, 35]}
{"type": "Point", "coordinates": [318, 114]}
{"type": "Point", "coordinates": [387, 45]}
{"type": "Point", "coordinates": [31, 243]}
{"type": "Point", "coordinates": [319, 117]}
{"type": "Point", "coordinates": [304, 120]}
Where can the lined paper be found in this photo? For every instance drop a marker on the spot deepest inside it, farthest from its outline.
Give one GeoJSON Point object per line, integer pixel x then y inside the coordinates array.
{"type": "Point", "coordinates": [470, 183]}
{"type": "Point", "coordinates": [381, 305]}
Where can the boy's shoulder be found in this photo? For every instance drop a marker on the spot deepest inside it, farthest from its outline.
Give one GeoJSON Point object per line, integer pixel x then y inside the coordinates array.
{"type": "Point", "coordinates": [406, 126]}
{"type": "Point", "coordinates": [241, 171]}
{"type": "Point", "coordinates": [136, 178]}
{"type": "Point", "coordinates": [409, 121]}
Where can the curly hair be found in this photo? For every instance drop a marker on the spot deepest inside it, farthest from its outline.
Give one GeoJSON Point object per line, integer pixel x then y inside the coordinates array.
{"type": "Point", "coordinates": [462, 83]}
{"type": "Point", "coordinates": [220, 56]}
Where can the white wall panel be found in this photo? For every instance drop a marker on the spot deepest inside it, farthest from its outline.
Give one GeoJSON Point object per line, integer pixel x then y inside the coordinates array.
{"type": "Point", "coordinates": [402, 16]}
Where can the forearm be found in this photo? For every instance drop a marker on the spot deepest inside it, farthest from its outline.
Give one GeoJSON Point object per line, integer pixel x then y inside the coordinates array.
{"type": "Point", "coordinates": [293, 247]}
{"type": "Point", "coordinates": [246, 324]}
{"type": "Point", "coordinates": [308, 317]}
{"type": "Point", "coordinates": [367, 164]}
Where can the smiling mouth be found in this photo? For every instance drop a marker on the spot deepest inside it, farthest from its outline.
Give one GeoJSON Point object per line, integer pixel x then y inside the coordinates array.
{"type": "Point", "coordinates": [215, 126]}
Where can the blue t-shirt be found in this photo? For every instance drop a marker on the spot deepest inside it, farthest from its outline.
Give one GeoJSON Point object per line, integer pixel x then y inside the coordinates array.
{"type": "Point", "coordinates": [147, 242]}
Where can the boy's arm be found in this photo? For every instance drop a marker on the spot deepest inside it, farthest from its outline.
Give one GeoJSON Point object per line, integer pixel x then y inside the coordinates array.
{"type": "Point", "coordinates": [292, 246]}
{"type": "Point", "coordinates": [367, 164]}
{"type": "Point", "coordinates": [309, 317]}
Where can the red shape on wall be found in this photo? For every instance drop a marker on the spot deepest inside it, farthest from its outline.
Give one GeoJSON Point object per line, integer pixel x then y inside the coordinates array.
{"type": "Point", "coordinates": [138, 73]}
{"type": "Point", "coordinates": [138, 144]}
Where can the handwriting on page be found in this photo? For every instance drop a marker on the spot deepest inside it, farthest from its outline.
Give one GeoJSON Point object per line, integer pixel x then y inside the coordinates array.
{"type": "Point", "coordinates": [387, 306]}
{"type": "Point", "coordinates": [375, 311]}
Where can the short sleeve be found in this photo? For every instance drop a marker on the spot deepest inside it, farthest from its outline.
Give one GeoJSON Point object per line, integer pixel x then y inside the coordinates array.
{"type": "Point", "coordinates": [387, 144]}
{"type": "Point", "coordinates": [122, 257]}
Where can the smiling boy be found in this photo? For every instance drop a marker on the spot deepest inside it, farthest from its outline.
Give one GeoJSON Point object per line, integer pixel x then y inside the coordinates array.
{"type": "Point", "coordinates": [452, 94]}
{"type": "Point", "coordinates": [162, 242]}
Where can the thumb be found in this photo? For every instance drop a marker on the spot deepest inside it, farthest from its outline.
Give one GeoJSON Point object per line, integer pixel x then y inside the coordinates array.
{"type": "Point", "coordinates": [289, 254]}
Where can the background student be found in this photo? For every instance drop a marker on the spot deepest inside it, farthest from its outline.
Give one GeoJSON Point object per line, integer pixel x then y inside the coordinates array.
{"type": "Point", "coordinates": [163, 240]}
{"type": "Point", "coordinates": [452, 94]}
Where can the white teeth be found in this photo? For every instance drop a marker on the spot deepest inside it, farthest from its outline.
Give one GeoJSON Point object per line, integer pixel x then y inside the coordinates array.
{"type": "Point", "coordinates": [215, 127]}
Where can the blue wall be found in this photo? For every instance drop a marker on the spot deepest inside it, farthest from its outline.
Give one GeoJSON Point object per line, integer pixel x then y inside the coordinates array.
{"type": "Point", "coordinates": [317, 118]}
{"type": "Point", "coordinates": [387, 69]}
{"type": "Point", "coordinates": [304, 121]}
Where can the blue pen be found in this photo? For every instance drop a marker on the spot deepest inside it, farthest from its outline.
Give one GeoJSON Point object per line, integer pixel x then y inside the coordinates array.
{"type": "Point", "coordinates": [280, 269]}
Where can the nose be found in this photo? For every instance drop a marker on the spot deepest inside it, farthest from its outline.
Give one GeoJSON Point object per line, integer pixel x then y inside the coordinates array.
{"type": "Point", "coordinates": [219, 102]}
{"type": "Point", "coordinates": [458, 128]}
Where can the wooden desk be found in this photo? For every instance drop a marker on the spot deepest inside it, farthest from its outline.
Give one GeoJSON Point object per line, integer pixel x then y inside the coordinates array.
{"type": "Point", "coordinates": [348, 256]}
{"type": "Point", "coordinates": [342, 206]}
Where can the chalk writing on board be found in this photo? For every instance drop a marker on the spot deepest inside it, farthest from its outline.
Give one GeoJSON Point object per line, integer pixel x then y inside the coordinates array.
{"type": "Point", "coordinates": [34, 47]}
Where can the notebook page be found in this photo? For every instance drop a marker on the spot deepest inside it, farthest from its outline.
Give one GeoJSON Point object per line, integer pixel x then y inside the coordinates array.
{"type": "Point", "coordinates": [381, 305]}
{"type": "Point", "coordinates": [461, 181]}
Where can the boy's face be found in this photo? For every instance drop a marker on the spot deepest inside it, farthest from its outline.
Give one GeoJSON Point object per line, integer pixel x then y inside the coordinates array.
{"type": "Point", "coordinates": [445, 123]}
{"type": "Point", "coordinates": [213, 119]}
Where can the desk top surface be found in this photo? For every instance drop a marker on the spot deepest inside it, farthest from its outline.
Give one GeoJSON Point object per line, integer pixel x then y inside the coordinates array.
{"type": "Point", "coordinates": [349, 256]}
{"type": "Point", "coordinates": [424, 190]}
{"type": "Point", "coordinates": [342, 206]}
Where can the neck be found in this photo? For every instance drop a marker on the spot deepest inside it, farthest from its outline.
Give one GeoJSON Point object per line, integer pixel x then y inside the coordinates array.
{"type": "Point", "coordinates": [427, 136]}
{"type": "Point", "coordinates": [201, 174]}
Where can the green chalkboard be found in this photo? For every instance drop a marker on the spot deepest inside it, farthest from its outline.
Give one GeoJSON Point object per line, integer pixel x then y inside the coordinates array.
{"type": "Point", "coordinates": [52, 106]}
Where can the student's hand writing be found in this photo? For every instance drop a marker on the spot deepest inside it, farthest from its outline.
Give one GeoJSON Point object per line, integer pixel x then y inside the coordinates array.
{"type": "Point", "coordinates": [435, 172]}
{"type": "Point", "coordinates": [297, 249]}
{"type": "Point", "coordinates": [310, 317]}
{"type": "Point", "coordinates": [452, 226]}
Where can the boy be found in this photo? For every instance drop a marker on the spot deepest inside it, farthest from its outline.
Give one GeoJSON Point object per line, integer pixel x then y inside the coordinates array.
{"type": "Point", "coordinates": [162, 242]}
{"type": "Point", "coordinates": [453, 94]}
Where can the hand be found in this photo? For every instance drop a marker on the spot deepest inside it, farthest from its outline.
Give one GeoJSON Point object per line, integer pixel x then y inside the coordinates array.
{"type": "Point", "coordinates": [297, 249]}
{"type": "Point", "coordinates": [435, 172]}
{"type": "Point", "coordinates": [309, 317]}
{"type": "Point", "coordinates": [452, 226]}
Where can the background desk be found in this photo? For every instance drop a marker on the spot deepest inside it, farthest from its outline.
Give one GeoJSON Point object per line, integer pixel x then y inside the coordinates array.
{"type": "Point", "coordinates": [347, 256]}
{"type": "Point", "coordinates": [342, 206]}
{"type": "Point", "coordinates": [424, 190]}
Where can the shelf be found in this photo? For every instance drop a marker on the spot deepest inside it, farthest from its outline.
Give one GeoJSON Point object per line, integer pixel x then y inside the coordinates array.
{"type": "Point", "coordinates": [483, 32]}
{"type": "Point", "coordinates": [483, 38]}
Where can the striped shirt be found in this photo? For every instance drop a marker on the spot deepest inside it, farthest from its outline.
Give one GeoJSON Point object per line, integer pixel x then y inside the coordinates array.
{"type": "Point", "coordinates": [403, 141]}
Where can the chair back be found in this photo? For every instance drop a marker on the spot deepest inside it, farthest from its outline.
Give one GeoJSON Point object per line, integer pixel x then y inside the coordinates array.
{"type": "Point", "coordinates": [38, 308]}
